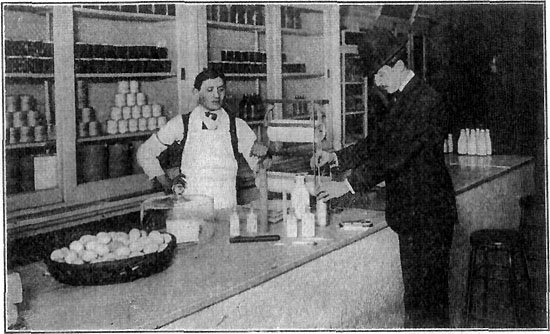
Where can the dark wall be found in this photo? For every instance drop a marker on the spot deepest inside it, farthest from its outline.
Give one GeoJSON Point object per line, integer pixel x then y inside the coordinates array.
{"type": "Point", "coordinates": [488, 60]}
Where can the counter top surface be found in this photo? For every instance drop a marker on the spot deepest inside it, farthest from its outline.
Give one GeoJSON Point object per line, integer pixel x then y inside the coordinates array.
{"type": "Point", "coordinates": [209, 272]}
{"type": "Point", "coordinates": [200, 275]}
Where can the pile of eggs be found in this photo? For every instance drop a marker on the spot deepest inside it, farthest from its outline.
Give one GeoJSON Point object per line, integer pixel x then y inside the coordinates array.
{"type": "Point", "coordinates": [109, 246]}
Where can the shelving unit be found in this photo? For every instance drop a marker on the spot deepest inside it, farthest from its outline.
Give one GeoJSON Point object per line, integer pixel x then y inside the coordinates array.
{"type": "Point", "coordinates": [120, 76]}
{"type": "Point", "coordinates": [115, 137]}
{"type": "Point", "coordinates": [354, 94]}
{"type": "Point", "coordinates": [49, 143]}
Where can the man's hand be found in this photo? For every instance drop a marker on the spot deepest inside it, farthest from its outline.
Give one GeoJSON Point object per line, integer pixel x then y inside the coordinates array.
{"type": "Point", "coordinates": [165, 183]}
{"type": "Point", "coordinates": [332, 189]}
{"type": "Point", "coordinates": [321, 158]}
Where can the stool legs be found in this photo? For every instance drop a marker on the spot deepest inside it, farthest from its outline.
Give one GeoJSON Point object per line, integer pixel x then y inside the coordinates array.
{"type": "Point", "coordinates": [470, 284]}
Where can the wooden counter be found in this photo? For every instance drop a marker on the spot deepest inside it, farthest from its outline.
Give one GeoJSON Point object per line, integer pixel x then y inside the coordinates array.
{"type": "Point", "coordinates": [346, 280]}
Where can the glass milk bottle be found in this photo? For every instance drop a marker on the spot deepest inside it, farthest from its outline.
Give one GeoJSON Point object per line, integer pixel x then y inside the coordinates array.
{"type": "Point", "coordinates": [299, 197]}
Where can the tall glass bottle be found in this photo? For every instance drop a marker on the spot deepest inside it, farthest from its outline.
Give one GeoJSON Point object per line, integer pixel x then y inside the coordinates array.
{"type": "Point", "coordinates": [299, 196]}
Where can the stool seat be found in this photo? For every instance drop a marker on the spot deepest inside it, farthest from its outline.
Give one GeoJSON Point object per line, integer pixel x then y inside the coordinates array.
{"type": "Point", "coordinates": [495, 237]}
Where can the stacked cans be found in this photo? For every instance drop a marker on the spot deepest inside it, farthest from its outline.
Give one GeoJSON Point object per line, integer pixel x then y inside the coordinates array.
{"type": "Point", "coordinates": [131, 113]}
{"type": "Point", "coordinates": [88, 126]}
{"type": "Point", "coordinates": [24, 123]}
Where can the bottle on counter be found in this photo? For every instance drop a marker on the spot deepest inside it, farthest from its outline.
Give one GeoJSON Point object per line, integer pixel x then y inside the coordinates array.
{"type": "Point", "coordinates": [471, 141]}
{"type": "Point", "coordinates": [252, 222]}
{"type": "Point", "coordinates": [234, 223]}
{"type": "Point", "coordinates": [481, 143]}
{"type": "Point", "coordinates": [450, 144]}
{"type": "Point", "coordinates": [462, 142]}
{"type": "Point", "coordinates": [242, 107]}
{"type": "Point", "coordinates": [321, 212]}
{"type": "Point", "coordinates": [299, 197]}
{"type": "Point", "coordinates": [291, 224]}
{"type": "Point", "coordinates": [308, 224]}
{"type": "Point", "coordinates": [488, 144]}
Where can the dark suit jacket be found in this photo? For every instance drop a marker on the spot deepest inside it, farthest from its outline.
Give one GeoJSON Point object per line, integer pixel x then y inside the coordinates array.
{"type": "Point", "coordinates": [406, 151]}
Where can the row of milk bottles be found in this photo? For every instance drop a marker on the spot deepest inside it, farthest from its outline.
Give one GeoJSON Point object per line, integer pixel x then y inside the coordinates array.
{"type": "Point", "coordinates": [299, 211]}
{"type": "Point", "coordinates": [471, 142]}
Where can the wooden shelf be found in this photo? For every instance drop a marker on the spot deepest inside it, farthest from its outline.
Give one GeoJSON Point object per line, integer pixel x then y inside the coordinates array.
{"type": "Point", "coordinates": [235, 26]}
{"type": "Point", "coordinates": [113, 15]}
{"type": "Point", "coordinates": [295, 100]}
{"type": "Point", "coordinates": [42, 10]}
{"type": "Point", "coordinates": [126, 75]}
{"type": "Point", "coordinates": [29, 75]}
{"type": "Point", "coordinates": [29, 145]}
{"type": "Point", "coordinates": [246, 75]}
{"type": "Point", "coordinates": [356, 112]}
{"type": "Point", "coordinates": [303, 75]}
{"type": "Point", "coordinates": [115, 137]}
{"type": "Point", "coordinates": [353, 83]}
{"type": "Point", "coordinates": [300, 32]}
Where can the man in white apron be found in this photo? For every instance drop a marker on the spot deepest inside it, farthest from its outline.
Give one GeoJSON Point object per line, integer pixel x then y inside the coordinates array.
{"type": "Point", "coordinates": [208, 160]}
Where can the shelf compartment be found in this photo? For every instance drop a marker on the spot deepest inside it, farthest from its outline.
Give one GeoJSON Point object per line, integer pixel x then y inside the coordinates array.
{"type": "Point", "coordinates": [30, 145]}
{"type": "Point", "coordinates": [300, 32]}
{"type": "Point", "coordinates": [113, 15]}
{"type": "Point", "coordinates": [28, 75]}
{"type": "Point", "coordinates": [235, 26]}
{"type": "Point", "coordinates": [115, 137]}
{"type": "Point", "coordinates": [302, 75]}
{"type": "Point", "coordinates": [126, 75]}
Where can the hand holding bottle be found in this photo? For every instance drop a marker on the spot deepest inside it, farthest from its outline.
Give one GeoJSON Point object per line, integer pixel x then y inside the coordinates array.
{"type": "Point", "coordinates": [332, 189]}
{"type": "Point", "coordinates": [321, 158]}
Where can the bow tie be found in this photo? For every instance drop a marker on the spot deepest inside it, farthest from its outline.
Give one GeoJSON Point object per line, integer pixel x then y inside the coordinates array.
{"type": "Point", "coordinates": [211, 115]}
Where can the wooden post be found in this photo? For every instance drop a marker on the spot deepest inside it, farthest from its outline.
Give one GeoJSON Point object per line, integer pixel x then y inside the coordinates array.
{"type": "Point", "coordinates": [263, 224]}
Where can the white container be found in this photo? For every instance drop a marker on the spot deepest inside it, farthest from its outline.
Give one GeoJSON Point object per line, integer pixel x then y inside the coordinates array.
{"type": "Point", "coordinates": [308, 225]}
{"type": "Point", "coordinates": [156, 110]}
{"type": "Point", "coordinates": [252, 223]}
{"type": "Point", "coordinates": [40, 133]}
{"type": "Point", "coordinates": [123, 87]}
{"type": "Point", "coordinates": [451, 147]}
{"type": "Point", "coordinates": [185, 230]}
{"type": "Point", "coordinates": [18, 119]}
{"type": "Point", "coordinates": [152, 124]}
{"type": "Point", "coordinates": [136, 112]}
{"type": "Point", "coordinates": [32, 118]}
{"type": "Point", "coordinates": [123, 126]}
{"type": "Point", "coordinates": [82, 130]}
{"type": "Point", "coordinates": [11, 103]}
{"type": "Point", "coordinates": [234, 224]}
{"type": "Point", "coordinates": [291, 224]}
{"type": "Point", "coordinates": [87, 115]}
{"type": "Point", "coordinates": [26, 102]}
{"type": "Point", "coordinates": [126, 112]}
{"type": "Point", "coordinates": [488, 143]}
{"type": "Point", "coordinates": [45, 171]}
{"type": "Point", "coordinates": [161, 121]}
{"type": "Point", "coordinates": [472, 139]}
{"type": "Point", "coordinates": [26, 134]}
{"type": "Point", "coordinates": [116, 113]}
{"type": "Point", "coordinates": [112, 127]}
{"type": "Point", "coordinates": [131, 99]}
{"type": "Point", "coordinates": [132, 125]}
{"type": "Point", "coordinates": [462, 142]}
{"type": "Point", "coordinates": [481, 143]}
{"type": "Point", "coordinates": [120, 100]}
{"type": "Point", "coordinates": [141, 99]}
{"type": "Point", "coordinates": [142, 124]}
{"type": "Point", "coordinates": [299, 197]}
{"type": "Point", "coordinates": [321, 213]}
{"type": "Point", "coordinates": [134, 86]}
{"type": "Point", "coordinates": [93, 129]}
{"type": "Point", "coordinates": [146, 111]}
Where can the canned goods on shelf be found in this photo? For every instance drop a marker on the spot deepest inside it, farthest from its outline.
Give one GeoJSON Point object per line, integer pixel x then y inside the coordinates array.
{"type": "Point", "coordinates": [112, 127]}
{"type": "Point", "coordinates": [126, 112]}
{"type": "Point", "coordinates": [123, 126]}
{"type": "Point", "coordinates": [120, 100]}
{"type": "Point", "coordinates": [146, 111]}
{"type": "Point", "coordinates": [136, 112]}
{"type": "Point", "coordinates": [123, 87]}
{"type": "Point", "coordinates": [131, 99]}
{"type": "Point", "coordinates": [142, 124]}
{"type": "Point", "coordinates": [157, 110]}
{"type": "Point", "coordinates": [134, 86]}
{"type": "Point", "coordinates": [116, 113]}
{"type": "Point", "coordinates": [93, 129]}
{"type": "Point", "coordinates": [152, 123]}
{"type": "Point", "coordinates": [141, 99]}
{"type": "Point", "coordinates": [132, 125]}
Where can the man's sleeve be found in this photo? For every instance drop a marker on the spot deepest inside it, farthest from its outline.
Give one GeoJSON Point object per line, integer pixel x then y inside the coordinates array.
{"type": "Point", "coordinates": [246, 138]}
{"type": "Point", "coordinates": [370, 161]}
{"type": "Point", "coordinates": [149, 151]}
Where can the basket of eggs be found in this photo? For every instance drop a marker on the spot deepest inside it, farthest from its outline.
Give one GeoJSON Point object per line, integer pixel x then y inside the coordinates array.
{"type": "Point", "coordinates": [112, 257]}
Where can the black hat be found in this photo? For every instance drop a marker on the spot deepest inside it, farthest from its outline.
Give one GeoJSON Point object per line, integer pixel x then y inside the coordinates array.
{"type": "Point", "coordinates": [380, 47]}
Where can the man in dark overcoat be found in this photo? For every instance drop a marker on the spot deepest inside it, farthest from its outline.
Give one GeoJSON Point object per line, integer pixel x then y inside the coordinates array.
{"type": "Point", "coordinates": [406, 152]}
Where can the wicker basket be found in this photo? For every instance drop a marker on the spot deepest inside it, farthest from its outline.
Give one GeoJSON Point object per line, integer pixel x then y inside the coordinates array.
{"type": "Point", "coordinates": [110, 272]}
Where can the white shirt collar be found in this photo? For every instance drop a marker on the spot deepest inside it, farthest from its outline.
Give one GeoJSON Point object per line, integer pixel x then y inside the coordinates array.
{"type": "Point", "coordinates": [408, 78]}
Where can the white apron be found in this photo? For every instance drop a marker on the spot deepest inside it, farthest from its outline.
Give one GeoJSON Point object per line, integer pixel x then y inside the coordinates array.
{"type": "Point", "coordinates": [209, 165]}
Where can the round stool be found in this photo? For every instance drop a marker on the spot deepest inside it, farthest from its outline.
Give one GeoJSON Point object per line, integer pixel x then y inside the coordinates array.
{"type": "Point", "coordinates": [498, 280]}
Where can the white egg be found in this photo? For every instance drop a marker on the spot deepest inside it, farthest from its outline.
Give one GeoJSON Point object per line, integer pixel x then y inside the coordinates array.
{"type": "Point", "coordinates": [78, 261]}
{"type": "Point", "coordinates": [103, 238]}
{"type": "Point", "coordinates": [143, 233]}
{"type": "Point", "coordinates": [86, 238]}
{"type": "Point", "coordinates": [156, 237]}
{"type": "Point", "coordinates": [167, 238]}
{"type": "Point", "coordinates": [136, 246]}
{"type": "Point", "coordinates": [134, 234]}
{"type": "Point", "coordinates": [76, 246]}
{"type": "Point", "coordinates": [109, 257]}
{"type": "Point", "coordinates": [135, 254]}
{"type": "Point", "coordinates": [57, 255]}
{"type": "Point", "coordinates": [88, 255]}
{"type": "Point", "coordinates": [123, 251]}
{"type": "Point", "coordinates": [92, 245]}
